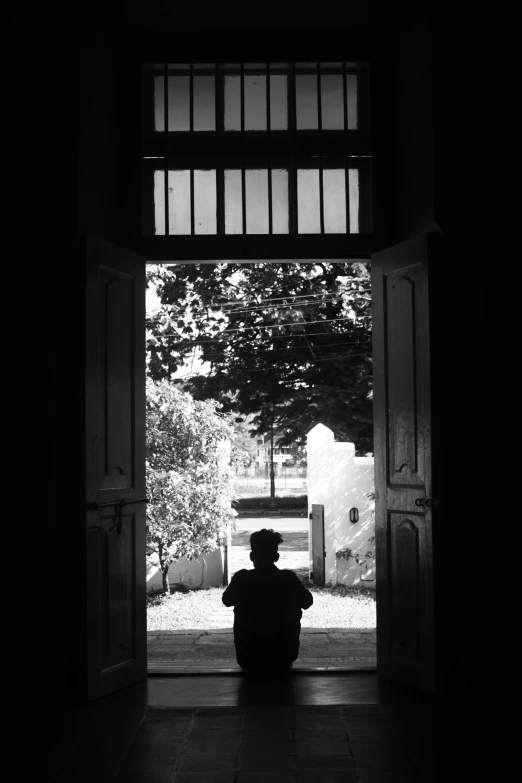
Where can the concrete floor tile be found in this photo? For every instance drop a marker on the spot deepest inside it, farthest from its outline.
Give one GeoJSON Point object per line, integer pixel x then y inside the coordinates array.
{"type": "Point", "coordinates": [372, 766]}
{"type": "Point", "coordinates": [322, 748]}
{"type": "Point", "coordinates": [203, 777]}
{"type": "Point", "coordinates": [208, 764]}
{"type": "Point", "coordinates": [266, 735]}
{"type": "Point", "coordinates": [326, 776]}
{"type": "Point", "coordinates": [265, 762]}
{"type": "Point", "coordinates": [154, 748]}
{"type": "Point", "coordinates": [215, 735]}
{"type": "Point", "coordinates": [266, 777]}
{"type": "Point", "coordinates": [326, 761]}
{"type": "Point", "coordinates": [211, 747]}
{"type": "Point", "coordinates": [267, 749]}
{"type": "Point", "coordinates": [151, 770]}
{"type": "Point", "coordinates": [209, 723]}
{"type": "Point", "coordinates": [332, 734]}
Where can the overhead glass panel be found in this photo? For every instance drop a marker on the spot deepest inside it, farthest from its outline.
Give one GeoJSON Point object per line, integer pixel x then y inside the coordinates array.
{"type": "Point", "coordinates": [204, 103]}
{"type": "Point", "coordinates": [353, 191]}
{"type": "Point", "coordinates": [256, 187]}
{"type": "Point", "coordinates": [308, 215]}
{"type": "Point", "coordinates": [334, 200]}
{"type": "Point", "coordinates": [332, 105]}
{"type": "Point", "coordinates": [278, 102]}
{"type": "Point", "coordinates": [280, 222]}
{"type": "Point", "coordinates": [233, 202]}
{"type": "Point", "coordinates": [351, 98]}
{"type": "Point", "coordinates": [306, 102]}
{"type": "Point", "coordinates": [255, 102]}
{"type": "Point", "coordinates": [205, 202]}
{"type": "Point", "coordinates": [233, 103]}
{"type": "Point", "coordinates": [179, 202]}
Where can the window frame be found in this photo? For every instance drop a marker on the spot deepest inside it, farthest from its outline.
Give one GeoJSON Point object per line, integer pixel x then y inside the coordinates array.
{"type": "Point", "coordinates": [291, 149]}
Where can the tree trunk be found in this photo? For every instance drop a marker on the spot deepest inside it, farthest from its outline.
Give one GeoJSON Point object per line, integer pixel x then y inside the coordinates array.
{"type": "Point", "coordinates": [165, 578]}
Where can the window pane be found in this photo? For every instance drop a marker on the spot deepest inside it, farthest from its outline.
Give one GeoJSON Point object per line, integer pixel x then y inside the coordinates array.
{"type": "Point", "coordinates": [205, 204]}
{"type": "Point", "coordinates": [159, 105]}
{"type": "Point", "coordinates": [279, 201]}
{"type": "Point", "coordinates": [159, 202]}
{"type": "Point", "coordinates": [351, 97]}
{"type": "Point", "coordinates": [233, 202]}
{"type": "Point", "coordinates": [179, 202]}
{"type": "Point", "coordinates": [332, 108]}
{"type": "Point", "coordinates": [278, 102]}
{"type": "Point", "coordinates": [306, 102]}
{"type": "Point", "coordinates": [308, 218]}
{"type": "Point", "coordinates": [256, 188]}
{"type": "Point", "coordinates": [179, 103]}
{"type": "Point", "coordinates": [232, 103]}
{"type": "Point", "coordinates": [334, 201]}
{"type": "Point", "coordinates": [204, 103]}
{"type": "Point", "coordinates": [255, 102]}
{"type": "Point", "coordinates": [353, 190]}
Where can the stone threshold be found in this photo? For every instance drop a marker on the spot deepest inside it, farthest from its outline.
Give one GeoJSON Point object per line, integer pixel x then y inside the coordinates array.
{"type": "Point", "coordinates": [231, 667]}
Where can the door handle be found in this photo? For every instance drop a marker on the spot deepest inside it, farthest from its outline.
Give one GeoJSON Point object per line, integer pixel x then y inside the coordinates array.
{"type": "Point", "coordinates": [118, 505]}
{"type": "Point", "coordinates": [429, 502]}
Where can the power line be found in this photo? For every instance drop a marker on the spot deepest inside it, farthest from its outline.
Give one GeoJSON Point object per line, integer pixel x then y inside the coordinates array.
{"type": "Point", "coordinates": [280, 298]}
{"type": "Point", "coordinates": [257, 306]}
{"type": "Point", "coordinates": [205, 358]}
{"type": "Point", "coordinates": [270, 326]}
{"type": "Point", "coordinates": [308, 361]}
{"type": "Point", "coordinates": [246, 301]}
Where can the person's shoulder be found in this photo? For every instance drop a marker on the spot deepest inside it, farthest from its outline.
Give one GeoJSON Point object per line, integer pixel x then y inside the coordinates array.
{"type": "Point", "coordinates": [241, 573]}
{"type": "Point", "coordinates": [290, 575]}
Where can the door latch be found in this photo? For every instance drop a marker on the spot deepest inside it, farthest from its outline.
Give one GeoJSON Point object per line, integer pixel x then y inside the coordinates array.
{"type": "Point", "coordinates": [429, 502]}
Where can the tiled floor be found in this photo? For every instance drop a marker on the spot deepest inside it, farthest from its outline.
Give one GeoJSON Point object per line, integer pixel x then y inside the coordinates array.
{"type": "Point", "coordinates": [234, 730]}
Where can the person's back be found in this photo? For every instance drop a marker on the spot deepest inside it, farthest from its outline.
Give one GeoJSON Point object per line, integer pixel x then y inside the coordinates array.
{"type": "Point", "coordinates": [268, 605]}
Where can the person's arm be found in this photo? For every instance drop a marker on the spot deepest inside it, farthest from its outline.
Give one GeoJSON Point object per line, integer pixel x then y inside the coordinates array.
{"type": "Point", "coordinates": [233, 591]}
{"type": "Point", "coordinates": [304, 595]}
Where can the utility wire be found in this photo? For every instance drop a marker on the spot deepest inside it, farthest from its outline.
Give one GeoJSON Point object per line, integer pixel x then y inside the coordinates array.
{"type": "Point", "coordinates": [355, 332]}
{"type": "Point", "coordinates": [269, 326]}
{"type": "Point", "coordinates": [206, 357]}
{"type": "Point", "coordinates": [308, 303]}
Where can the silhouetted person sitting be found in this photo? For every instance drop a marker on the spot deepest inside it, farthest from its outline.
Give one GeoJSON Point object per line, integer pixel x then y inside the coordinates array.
{"type": "Point", "coordinates": [267, 605]}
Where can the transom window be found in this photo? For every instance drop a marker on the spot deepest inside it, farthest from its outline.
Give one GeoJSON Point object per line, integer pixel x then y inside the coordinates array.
{"type": "Point", "coordinates": [256, 148]}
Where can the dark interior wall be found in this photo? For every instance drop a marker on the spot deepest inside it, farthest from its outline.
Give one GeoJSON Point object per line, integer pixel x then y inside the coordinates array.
{"type": "Point", "coordinates": [476, 298]}
{"type": "Point", "coordinates": [46, 387]}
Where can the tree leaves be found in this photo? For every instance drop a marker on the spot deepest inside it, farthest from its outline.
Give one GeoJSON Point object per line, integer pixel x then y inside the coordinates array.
{"type": "Point", "coordinates": [189, 478]}
{"type": "Point", "coordinates": [292, 341]}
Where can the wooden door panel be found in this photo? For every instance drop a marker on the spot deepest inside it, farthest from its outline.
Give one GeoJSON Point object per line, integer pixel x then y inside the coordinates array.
{"type": "Point", "coordinates": [116, 365]}
{"type": "Point", "coordinates": [115, 423]}
{"type": "Point", "coordinates": [318, 551]}
{"type": "Point", "coordinates": [402, 435]}
{"type": "Point", "coordinates": [402, 385]}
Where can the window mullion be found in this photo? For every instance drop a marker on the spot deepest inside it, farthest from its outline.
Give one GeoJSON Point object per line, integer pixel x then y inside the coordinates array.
{"type": "Point", "coordinates": [166, 151]}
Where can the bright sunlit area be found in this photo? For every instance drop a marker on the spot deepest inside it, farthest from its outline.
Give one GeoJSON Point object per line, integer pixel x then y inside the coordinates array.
{"type": "Point", "coordinates": [259, 415]}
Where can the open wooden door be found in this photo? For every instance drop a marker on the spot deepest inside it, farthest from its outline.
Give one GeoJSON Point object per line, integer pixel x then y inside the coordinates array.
{"type": "Point", "coordinates": [318, 550]}
{"type": "Point", "coordinates": [115, 465]}
{"type": "Point", "coordinates": [403, 483]}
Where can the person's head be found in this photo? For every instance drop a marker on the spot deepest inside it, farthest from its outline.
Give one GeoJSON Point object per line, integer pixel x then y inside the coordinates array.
{"type": "Point", "coordinates": [263, 544]}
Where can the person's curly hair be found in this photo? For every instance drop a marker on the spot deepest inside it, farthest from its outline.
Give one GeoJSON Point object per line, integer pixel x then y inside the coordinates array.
{"type": "Point", "coordinates": [264, 543]}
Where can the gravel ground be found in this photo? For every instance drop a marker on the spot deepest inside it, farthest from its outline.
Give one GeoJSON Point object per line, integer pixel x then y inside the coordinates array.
{"type": "Point", "coordinates": [337, 607]}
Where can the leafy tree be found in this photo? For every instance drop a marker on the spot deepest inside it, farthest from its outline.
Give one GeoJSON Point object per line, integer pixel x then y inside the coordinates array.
{"type": "Point", "coordinates": [288, 344]}
{"type": "Point", "coordinates": [189, 481]}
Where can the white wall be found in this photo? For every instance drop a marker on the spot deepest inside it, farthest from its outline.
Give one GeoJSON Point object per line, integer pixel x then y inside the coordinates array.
{"type": "Point", "coordinates": [206, 571]}
{"type": "Point", "coordinates": [339, 481]}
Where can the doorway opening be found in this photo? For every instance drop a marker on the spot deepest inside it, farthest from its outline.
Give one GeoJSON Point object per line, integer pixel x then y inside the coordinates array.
{"type": "Point", "coordinates": [280, 354]}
